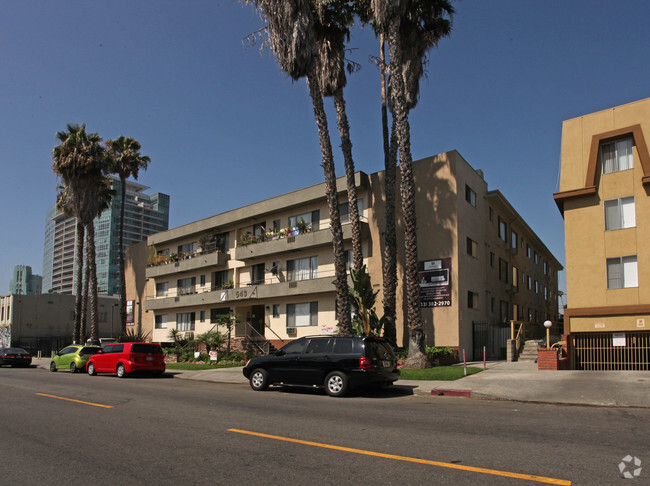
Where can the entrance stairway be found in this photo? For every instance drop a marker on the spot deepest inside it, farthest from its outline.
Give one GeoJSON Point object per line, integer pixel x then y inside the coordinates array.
{"type": "Point", "coordinates": [529, 351]}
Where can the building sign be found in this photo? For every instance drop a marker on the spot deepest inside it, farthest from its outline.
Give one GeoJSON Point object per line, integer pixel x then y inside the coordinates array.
{"type": "Point", "coordinates": [130, 304]}
{"type": "Point", "coordinates": [435, 283]}
{"type": "Point", "coordinates": [618, 339]}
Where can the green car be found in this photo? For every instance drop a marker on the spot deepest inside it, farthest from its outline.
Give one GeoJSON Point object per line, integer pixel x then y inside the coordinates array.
{"type": "Point", "coordinates": [73, 357]}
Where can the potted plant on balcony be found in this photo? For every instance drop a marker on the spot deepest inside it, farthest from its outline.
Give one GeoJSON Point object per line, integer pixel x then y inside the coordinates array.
{"type": "Point", "coordinates": [302, 226]}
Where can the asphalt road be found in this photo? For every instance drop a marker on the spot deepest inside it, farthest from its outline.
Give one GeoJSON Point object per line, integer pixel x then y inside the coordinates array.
{"type": "Point", "coordinates": [59, 427]}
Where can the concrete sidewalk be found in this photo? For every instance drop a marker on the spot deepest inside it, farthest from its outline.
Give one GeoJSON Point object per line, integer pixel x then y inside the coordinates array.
{"type": "Point", "coordinates": [519, 381]}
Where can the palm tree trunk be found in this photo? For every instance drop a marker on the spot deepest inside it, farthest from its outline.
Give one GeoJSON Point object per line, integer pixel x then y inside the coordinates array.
{"type": "Point", "coordinates": [84, 302]}
{"type": "Point", "coordinates": [341, 282]}
{"type": "Point", "coordinates": [122, 276]}
{"type": "Point", "coordinates": [93, 304]}
{"type": "Point", "coordinates": [346, 148]}
{"type": "Point", "coordinates": [390, 243]}
{"type": "Point", "coordinates": [78, 318]}
{"type": "Point", "coordinates": [407, 192]}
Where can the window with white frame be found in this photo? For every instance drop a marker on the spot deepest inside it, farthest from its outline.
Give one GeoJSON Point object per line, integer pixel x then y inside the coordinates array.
{"type": "Point", "coordinates": [185, 321]}
{"type": "Point", "coordinates": [620, 213]}
{"type": "Point", "coordinates": [161, 321]}
{"type": "Point", "coordinates": [302, 268]}
{"type": "Point", "coordinates": [622, 272]}
{"type": "Point", "coordinates": [616, 156]}
{"type": "Point", "coordinates": [303, 314]}
{"type": "Point", "coordinates": [162, 289]}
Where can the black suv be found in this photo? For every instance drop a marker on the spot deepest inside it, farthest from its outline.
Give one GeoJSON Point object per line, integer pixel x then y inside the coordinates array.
{"type": "Point", "coordinates": [336, 363]}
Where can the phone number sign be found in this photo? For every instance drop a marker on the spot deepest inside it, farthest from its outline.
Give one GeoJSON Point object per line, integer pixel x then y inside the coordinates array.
{"type": "Point", "coordinates": [435, 282]}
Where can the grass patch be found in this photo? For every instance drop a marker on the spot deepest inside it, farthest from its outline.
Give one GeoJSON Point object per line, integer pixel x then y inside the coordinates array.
{"type": "Point", "coordinates": [441, 373]}
{"type": "Point", "coordinates": [201, 366]}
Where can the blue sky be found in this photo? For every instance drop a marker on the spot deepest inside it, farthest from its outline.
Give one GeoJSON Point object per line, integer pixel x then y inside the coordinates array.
{"type": "Point", "coordinates": [176, 76]}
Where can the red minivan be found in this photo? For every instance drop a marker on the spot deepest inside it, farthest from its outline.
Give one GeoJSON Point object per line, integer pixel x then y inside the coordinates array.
{"type": "Point", "coordinates": [125, 358]}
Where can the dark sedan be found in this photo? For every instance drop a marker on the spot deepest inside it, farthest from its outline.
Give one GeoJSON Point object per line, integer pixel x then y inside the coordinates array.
{"type": "Point", "coordinates": [15, 357]}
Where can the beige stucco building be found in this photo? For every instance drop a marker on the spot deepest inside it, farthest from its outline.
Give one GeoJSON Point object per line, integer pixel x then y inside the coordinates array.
{"type": "Point", "coordinates": [604, 188]}
{"type": "Point", "coordinates": [479, 262]}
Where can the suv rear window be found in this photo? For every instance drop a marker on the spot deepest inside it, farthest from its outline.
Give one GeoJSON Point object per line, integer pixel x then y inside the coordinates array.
{"type": "Point", "coordinates": [146, 348]}
{"type": "Point", "coordinates": [378, 349]}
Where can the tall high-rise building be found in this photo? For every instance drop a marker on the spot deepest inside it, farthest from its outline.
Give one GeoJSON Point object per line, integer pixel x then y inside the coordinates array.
{"type": "Point", "coordinates": [24, 283]}
{"type": "Point", "coordinates": [144, 215]}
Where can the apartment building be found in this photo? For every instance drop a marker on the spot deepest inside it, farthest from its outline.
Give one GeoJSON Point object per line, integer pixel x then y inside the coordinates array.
{"type": "Point", "coordinates": [271, 262]}
{"type": "Point", "coordinates": [145, 214]}
{"type": "Point", "coordinates": [603, 197]}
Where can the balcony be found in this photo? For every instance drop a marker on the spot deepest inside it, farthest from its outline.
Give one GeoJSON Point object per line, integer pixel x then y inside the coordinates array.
{"type": "Point", "coordinates": [189, 263]}
{"type": "Point", "coordinates": [303, 241]}
{"type": "Point", "coordinates": [263, 292]}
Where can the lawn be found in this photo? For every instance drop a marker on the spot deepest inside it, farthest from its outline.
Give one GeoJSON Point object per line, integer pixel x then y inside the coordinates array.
{"type": "Point", "coordinates": [201, 366]}
{"type": "Point", "coordinates": [442, 373]}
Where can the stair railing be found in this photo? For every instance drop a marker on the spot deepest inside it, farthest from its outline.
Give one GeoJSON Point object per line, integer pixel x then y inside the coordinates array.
{"type": "Point", "coordinates": [256, 339]}
{"type": "Point", "coordinates": [520, 335]}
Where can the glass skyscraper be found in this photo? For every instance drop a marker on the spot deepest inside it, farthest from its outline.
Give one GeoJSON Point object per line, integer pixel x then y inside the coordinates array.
{"type": "Point", "coordinates": [144, 215]}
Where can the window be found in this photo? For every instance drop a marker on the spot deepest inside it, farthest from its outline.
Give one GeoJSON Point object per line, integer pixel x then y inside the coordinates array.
{"type": "Point", "coordinates": [221, 242]}
{"type": "Point", "coordinates": [186, 285]}
{"type": "Point", "coordinates": [492, 259]}
{"type": "Point", "coordinates": [619, 214]}
{"type": "Point", "coordinates": [219, 279]}
{"type": "Point", "coordinates": [503, 311]}
{"type": "Point", "coordinates": [503, 270]}
{"type": "Point", "coordinates": [162, 289]}
{"type": "Point", "coordinates": [616, 156]}
{"type": "Point", "coordinates": [529, 283]}
{"type": "Point", "coordinates": [536, 257]}
{"type": "Point", "coordinates": [187, 247]}
{"type": "Point", "coordinates": [311, 218]}
{"type": "Point", "coordinates": [528, 251]}
{"type": "Point", "coordinates": [622, 272]}
{"type": "Point", "coordinates": [305, 314]}
{"type": "Point", "coordinates": [491, 214]}
{"type": "Point", "coordinates": [276, 310]}
{"type": "Point", "coordinates": [259, 229]}
{"type": "Point", "coordinates": [202, 316]}
{"type": "Point", "coordinates": [257, 274]}
{"type": "Point", "coordinates": [515, 276]}
{"type": "Point", "coordinates": [185, 321]}
{"type": "Point", "coordinates": [344, 210]}
{"type": "Point", "coordinates": [472, 248]}
{"type": "Point", "coordinates": [202, 280]}
{"type": "Point", "coordinates": [513, 239]}
{"type": "Point", "coordinates": [503, 227]}
{"type": "Point", "coordinates": [470, 195]}
{"type": "Point", "coordinates": [161, 321]}
{"type": "Point", "coordinates": [302, 268]}
{"type": "Point", "coordinates": [536, 287]}
{"type": "Point", "coordinates": [217, 315]}
{"type": "Point", "coordinates": [472, 300]}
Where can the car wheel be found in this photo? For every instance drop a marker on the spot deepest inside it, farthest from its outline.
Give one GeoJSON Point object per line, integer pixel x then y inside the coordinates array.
{"type": "Point", "coordinates": [91, 369]}
{"type": "Point", "coordinates": [259, 379]}
{"type": "Point", "coordinates": [336, 384]}
{"type": "Point", "coordinates": [73, 368]}
{"type": "Point", "coordinates": [121, 372]}
{"type": "Point", "coordinates": [52, 366]}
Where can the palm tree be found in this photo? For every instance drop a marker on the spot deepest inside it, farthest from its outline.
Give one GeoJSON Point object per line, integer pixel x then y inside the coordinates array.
{"type": "Point", "coordinates": [333, 20]}
{"type": "Point", "coordinates": [124, 160]}
{"type": "Point", "coordinates": [412, 27]}
{"type": "Point", "coordinates": [292, 40]}
{"type": "Point", "coordinates": [73, 160]}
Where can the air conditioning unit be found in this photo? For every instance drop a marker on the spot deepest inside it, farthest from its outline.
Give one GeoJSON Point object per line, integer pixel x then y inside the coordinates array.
{"type": "Point", "coordinates": [291, 331]}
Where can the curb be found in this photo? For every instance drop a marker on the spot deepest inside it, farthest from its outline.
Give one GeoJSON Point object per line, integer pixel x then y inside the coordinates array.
{"type": "Point", "coordinates": [448, 392]}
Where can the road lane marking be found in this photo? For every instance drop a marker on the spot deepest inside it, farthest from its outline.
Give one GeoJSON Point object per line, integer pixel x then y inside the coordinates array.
{"type": "Point", "coordinates": [494, 472]}
{"type": "Point", "coordinates": [76, 401]}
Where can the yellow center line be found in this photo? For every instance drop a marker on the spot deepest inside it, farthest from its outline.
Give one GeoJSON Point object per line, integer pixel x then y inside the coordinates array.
{"type": "Point", "coordinates": [528, 477]}
{"type": "Point", "coordinates": [76, 401]}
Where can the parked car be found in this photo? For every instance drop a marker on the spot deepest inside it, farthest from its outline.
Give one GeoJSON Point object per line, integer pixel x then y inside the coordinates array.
{"type": "Point", "coordinates": [125, 358]}
{"type": "Point", "coordinates": [336, 363]}
{"type": "Point", "coordinates": [73, 357]}
{"type": "Point", "coordinates": [15, 357]}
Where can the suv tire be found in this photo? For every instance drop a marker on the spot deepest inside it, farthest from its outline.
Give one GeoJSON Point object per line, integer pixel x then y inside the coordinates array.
{"type": "Point", "coordinates": [259, 380]}
{"type": "Point", "coordinates": [336, 384]}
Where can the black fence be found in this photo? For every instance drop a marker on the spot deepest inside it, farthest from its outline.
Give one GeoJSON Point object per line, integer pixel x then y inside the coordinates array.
{"type": "Point", "coordinates": [491, 335]}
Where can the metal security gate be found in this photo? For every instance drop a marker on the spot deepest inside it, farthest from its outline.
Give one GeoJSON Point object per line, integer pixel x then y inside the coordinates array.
{"type": "Point", "coordinates": [611, 351]}
{"type": "Point", "coordinates": [494, 336]}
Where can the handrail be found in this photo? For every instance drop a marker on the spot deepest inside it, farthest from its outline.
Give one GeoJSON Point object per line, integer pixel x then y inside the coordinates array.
{"type": "Point", "coordinates": [257, 339]}
{"type": "Point", "coordinates": [521, 333]}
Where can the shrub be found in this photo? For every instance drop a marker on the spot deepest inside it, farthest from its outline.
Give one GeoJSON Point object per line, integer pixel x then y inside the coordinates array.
{"type": "Point", "coordinates": [439, 353]}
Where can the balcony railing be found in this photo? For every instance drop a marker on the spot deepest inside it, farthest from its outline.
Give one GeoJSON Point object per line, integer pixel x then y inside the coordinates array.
{"type": "Point", "coordinates": [185, 263]}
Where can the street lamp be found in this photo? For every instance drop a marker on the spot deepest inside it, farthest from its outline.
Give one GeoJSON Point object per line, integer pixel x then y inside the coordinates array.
{"type": "Point", "coordinates": [547, 325]}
